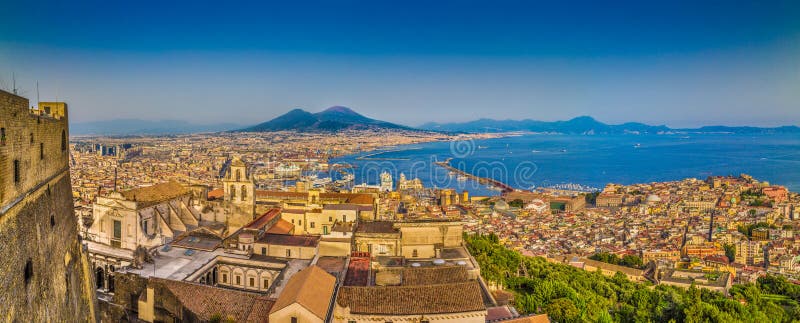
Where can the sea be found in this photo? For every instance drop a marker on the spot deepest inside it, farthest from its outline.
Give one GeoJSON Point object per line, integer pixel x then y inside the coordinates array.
{"type": "Point", "coordinates": [585, 161]}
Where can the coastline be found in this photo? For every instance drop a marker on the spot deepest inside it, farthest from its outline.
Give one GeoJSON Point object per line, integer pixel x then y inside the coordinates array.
{"type": "Point", "coordinates": [559, 168]}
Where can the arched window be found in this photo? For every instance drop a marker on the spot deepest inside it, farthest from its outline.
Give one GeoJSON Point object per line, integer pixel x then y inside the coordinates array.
{"type": "Point", "coordinates": [63, 140]}
{"type": "Point", "coordinates": [99, 278]}
{"type": "Point", "coordinates": [238, 175]}
{"type": "Point", "coordinates": [244, 192]}
{"type": "Point", "coordinates": [233, 192]}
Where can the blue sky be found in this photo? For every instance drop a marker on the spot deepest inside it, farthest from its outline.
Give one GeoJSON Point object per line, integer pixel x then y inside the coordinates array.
{"type": "Point", "coordinates": [680, 63]}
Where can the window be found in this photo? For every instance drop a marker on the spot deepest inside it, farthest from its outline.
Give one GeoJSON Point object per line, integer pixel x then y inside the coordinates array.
{"type": "Point", "coordinates": [266, 283]}
{"type": "Point", "coordinates": [225, 278]}
{"type": "Point", "coordinates": [292, 221]}
{"type": "Point", "coordinates": [264, 251]}
{"type": "Point", "coordinates": [238, 280]}
{"type": "Point", "coordinates": [31, 137]}
{"type": "Point", "coordinates": [233, 192]}
{"type": "Point", "coordinates": [2, 136]}
{"type": "Point", "coordinates": [288, 253]}
{"type": "Point", "coordinates": [294, 319]}
{"type": "Point", "coordinates": [414, 253]}
{"type": "Point", "coordinates": [28, 271]}
{"type": "Point", "coordinates": [16, 171]}
{"type": "Point", "coordinates": [63, 140]}
{"type": "Point", "coordinates": [244, 192]}
{"type": "Point", "coordinates": [252, 282]}
{"type": "Point", "coordinates": [330, 219]}
{"type": "Point", "coordinates": [41, 151]}
{"type": "Point", "coordinates": [299, 222]}
{"type": "Point", "coordinates": [311, 224]}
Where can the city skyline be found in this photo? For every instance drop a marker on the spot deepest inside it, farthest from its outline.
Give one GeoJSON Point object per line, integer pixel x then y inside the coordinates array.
{"type": "Point", "coordinates": [682, 65]}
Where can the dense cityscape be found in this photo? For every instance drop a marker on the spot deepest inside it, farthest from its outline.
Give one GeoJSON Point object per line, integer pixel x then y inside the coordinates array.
{"type": "Point", "coordinates": [707, 233]}
{"type": "Point", "coordinates": [400, 162]}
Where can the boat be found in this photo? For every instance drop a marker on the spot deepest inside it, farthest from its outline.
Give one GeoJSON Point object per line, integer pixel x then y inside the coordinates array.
{"type": "Point", "coordinates": [461, 178]}
{"type": "Point", "coordinates": [536, 151]}
{"type": "Point", "coordinates": [637, 145]}
{"type": "Point", "coordinates": [563, 150]}
{"type": "Point", "coordinates": [482, 147]}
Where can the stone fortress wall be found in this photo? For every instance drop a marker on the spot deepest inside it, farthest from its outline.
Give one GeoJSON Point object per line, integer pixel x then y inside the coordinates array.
{"type": "Point", "coordinates": [44, 274]}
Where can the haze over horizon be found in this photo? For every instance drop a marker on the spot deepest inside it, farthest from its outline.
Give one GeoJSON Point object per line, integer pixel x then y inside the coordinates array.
{"type": "Point", "coordinates": [678, 64]}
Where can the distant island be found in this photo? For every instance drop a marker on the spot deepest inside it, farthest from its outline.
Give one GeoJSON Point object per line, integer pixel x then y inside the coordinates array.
{"type": "Point", "coordinates": [588, 125]}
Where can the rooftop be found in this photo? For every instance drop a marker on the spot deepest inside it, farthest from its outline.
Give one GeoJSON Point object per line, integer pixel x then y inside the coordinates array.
{"type": "Point", "coordinates": [412, 300]}
{"type": "Point", "coordinates": [156, 193]}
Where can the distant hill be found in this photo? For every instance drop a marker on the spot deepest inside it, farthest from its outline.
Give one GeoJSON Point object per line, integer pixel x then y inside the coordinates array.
{"type": "Point", "coordinates": [332, 119]}
{"type": "Point", "coordinates": [124, 127]}
{"type": "Point", "coordinates": [587, 125]}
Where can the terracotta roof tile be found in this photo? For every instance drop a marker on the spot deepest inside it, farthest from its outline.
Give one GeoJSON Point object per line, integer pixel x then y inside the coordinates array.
{"type": "Point", "coordinates": [156, 193]}
{"type": "Point", "coordinates": [281, 227]}
{"type": "Point", "coordinates": [312, 288]}
{"type": "Point", "coordinates": [206, 301]}
{"type": "Point", "coordinates": [412, 300]}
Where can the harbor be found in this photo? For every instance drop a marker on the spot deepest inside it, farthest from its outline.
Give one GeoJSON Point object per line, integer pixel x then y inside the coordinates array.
{"type": "Point", "coordinates": [503, 187]}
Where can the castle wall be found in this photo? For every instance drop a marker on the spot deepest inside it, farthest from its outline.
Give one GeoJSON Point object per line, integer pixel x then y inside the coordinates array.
{"type": "Point", "coordinates": [45, 275]}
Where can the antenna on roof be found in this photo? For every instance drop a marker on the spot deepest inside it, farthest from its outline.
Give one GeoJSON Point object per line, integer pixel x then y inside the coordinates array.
{"type": "Point", "coordinates": [14, 82]}
{"type": "Point", "coordinates": [37, 94]}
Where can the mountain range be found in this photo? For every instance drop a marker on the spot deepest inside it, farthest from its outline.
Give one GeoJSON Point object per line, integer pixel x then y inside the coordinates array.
{"type": "Point", "coordinates": [125, 127]}
{"type": "Point", "coordinates": [335, 118]}
{"type": "Point", "coordinates": [588, 125]}
{"type": "Point", "coordinates": [339, 118]}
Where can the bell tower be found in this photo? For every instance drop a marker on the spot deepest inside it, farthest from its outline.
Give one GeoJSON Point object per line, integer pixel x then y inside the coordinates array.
{"type": "Point", "coordinates": [239, 186]}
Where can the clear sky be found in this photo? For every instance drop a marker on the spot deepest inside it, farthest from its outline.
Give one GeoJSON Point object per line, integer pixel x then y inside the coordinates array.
{"type": "Point", "coordinates": [680, 63]}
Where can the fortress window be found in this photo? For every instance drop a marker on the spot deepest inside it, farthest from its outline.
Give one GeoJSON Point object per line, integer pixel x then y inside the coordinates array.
{"type": "Point", "coordinates": [16, 171]}
{"type": "Point", "coordinates": [41, 150]}
{"type": "Point", "coordinates": [28, 271]}
{"type": "Point", "coordinates": [63, 140]}
{"type": "Point", "coordinates": [2, 136]}
{"type": "Point", "coordinates": [52, 220]}
{"type": "Point", "coordinates": [31, 137]}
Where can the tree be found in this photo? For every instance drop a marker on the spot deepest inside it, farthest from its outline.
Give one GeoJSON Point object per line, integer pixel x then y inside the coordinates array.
{"type": "Point", "coordinates": [563, 310]}
{"type": "Point", "coordinates": [632, 261]}
{"type": "Point", "coordinates": [518, 203]}
{"type": "Point", "coordinates": [730, 251]}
